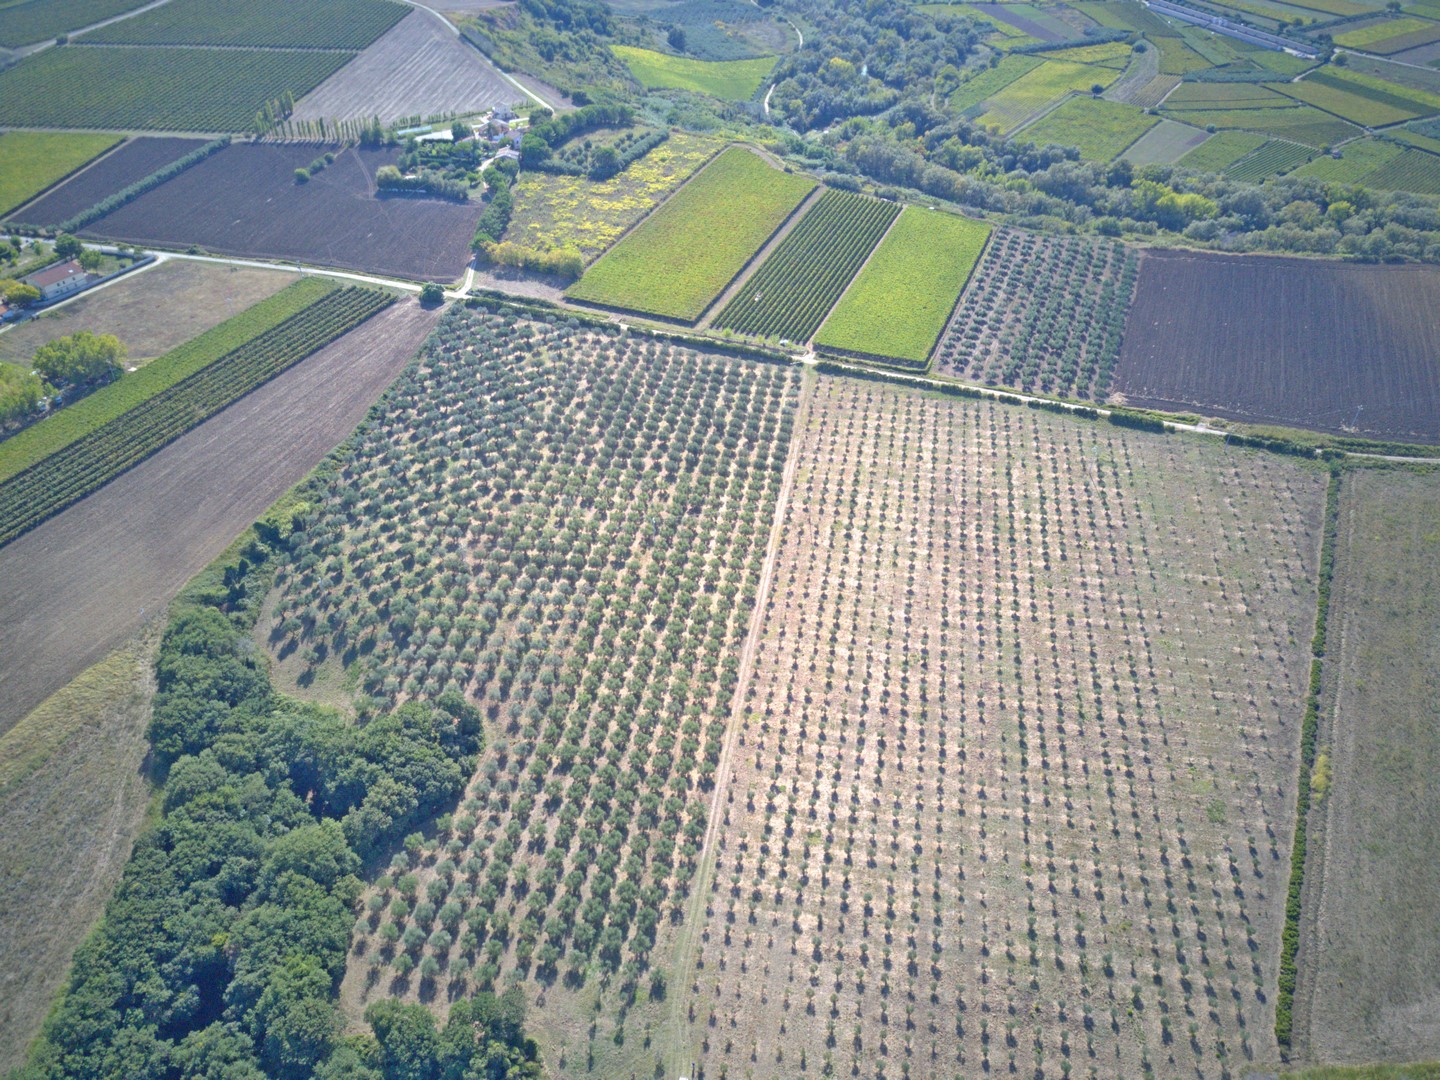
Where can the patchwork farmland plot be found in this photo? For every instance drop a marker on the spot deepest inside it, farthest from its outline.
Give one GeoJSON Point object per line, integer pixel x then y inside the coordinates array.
{"type": "Point", "coordinates": [1021, 727]}
{"type": "Point", "coordinates": [1099, 129]}
{"type": "Point", "coordinates": [1042, 313]}
{"type": "Point", "coordinates": [1361, 99]}
{"type": "Point", "coordinates": [1164, 144]}
{"type": "Point", "coordinates": [329, 24]}
{"type": "Point", "coordinates": [1271, 340]}
{"type": "Point", "coordinates": [1274, 156]}
{"type": "Point", "coordinates": [605, 658]}
{"type": "Point", "coordinates": [1221, 150]}
{"type": "Point", "coordinates": [1359, 159]}
{"type": "Point", "coordinates": [134, 161]}
{"type": "Point", "coordinates": [44, 489]}
{"type": "Point", "coordinates": [980, 88]}
{"type": "Point", "coordinates": [1036, 89]}
{"type": "Point", "coordinates": [798, 284]}
{"type": "Point", "coordinates": [1369, 957]}
{"type": "Point", "coordinates": [41, 20]}
{"type": "Point", "coordinates": [1414, 170]}
{"type": "Point", "coordinates": [418, 68]}
{"type": "Point", "coordinates": [677, 261]}
{"type": "Point", "coordinates": [30, 161]}
{"type": "Point", "coordinates": [156, 89]}
{"type": "Point", "coordinates": [1302, 123]}
{"type": "Point", "coordinates": [553, 210]}
{"type": "Point", "coordinates": [899, 303]}
{"type": "Point", "coordinates": [729, 80]}
{"type": "Point", "coordinates": [244, 201]}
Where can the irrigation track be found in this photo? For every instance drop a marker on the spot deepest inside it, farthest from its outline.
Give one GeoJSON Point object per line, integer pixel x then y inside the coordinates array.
{"type": "Point", "coordinates": [683, 965]}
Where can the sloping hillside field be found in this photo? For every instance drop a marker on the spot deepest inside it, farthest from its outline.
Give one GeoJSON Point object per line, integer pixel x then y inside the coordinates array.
{"type": "Point", "coordinates": [1321, 345]}
{"type": "Point", "coordinates": [679, 259]}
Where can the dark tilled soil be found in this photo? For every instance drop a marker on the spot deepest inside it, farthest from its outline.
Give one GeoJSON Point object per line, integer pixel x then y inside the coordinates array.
{"type": "Point", "coordinates": [244, 201]}
{"type": "Point", "coordinates": [73, 589]}
{"type": "Point", "coordinates": [134, 161]}
{"type": "Point", "coordinates": [1332, 347]}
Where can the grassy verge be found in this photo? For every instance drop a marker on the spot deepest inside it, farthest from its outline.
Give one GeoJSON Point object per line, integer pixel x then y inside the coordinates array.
{"type": "Point", "coordinates": [54, 433]}
{"type": "Point", "coordinates": [1290, 938]}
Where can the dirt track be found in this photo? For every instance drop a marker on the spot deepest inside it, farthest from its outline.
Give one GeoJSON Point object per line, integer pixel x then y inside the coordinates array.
{"type": "Point", "coordinates": [73, 589]}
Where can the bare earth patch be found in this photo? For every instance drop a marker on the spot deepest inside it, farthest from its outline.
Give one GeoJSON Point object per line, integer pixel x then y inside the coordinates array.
{"type": "Point", "coordinates": [77, 586]}
{"type": "Point", "coordinates": [151, 310]}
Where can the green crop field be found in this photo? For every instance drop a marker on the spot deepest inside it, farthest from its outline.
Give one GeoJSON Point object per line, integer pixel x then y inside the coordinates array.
{"type": "Point", "coordinates": [1099, 129]}
{"type": "Point", "coordinates": [899, 304]}
{"type": "Point", "coordinates": [1359, 160]}
{"type": "Point", "coordinates": [1274, 157]}
{"type": "Point", "coordinates": [1036, 89]}
{"type": "Point", "coordinates": [1189, 96]}
{"type": "Point", "coordinates": [1391, 36]}
{"type": "Point", "coordinates": [156, 89]}
{"type": "Point", "coordinates": [729, 80]}
{"type": "Point", "coordinates": [31, 161]}
{"type": "Point", "coordinates": [1164, 144]}
{"type": "Point", "coordinates": [1177, 58]}
{"type": "Point", "coordinates": [796, 287]}
{"type": "Point", "coordinates": [92, 460]}
{"type": "Point", "coordinates": [1112, 54]}
{"type": "Point", "coordinates": [41, 20]}
{"type": "Point", "coordinates": [54, 433]}
{"type": "Point", "coordinates": [992, 80]}
{"type": "Point", "coordinates": [678, 260]}
{"type": "Point", "coordinates": [1301, 123]}
{"type": "Point", "coordinates": [333, 24]}
{"type": "Point", "coordinates": [1414, 170]}
{"type": "Point", "coordinates": [1362, 99]}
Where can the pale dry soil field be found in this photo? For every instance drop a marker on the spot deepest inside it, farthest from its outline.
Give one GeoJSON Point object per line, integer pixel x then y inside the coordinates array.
{"type": "Point", "coordinates": [77, 586]}
{"type": "Point", "coordinates": [152, 310]}
{"type": "Point", "coordinates": [1369, 987]}
{"type": "Point", "coordinates": [1012, 788]}
{"type": "Point", "coordinates": [73, 798]}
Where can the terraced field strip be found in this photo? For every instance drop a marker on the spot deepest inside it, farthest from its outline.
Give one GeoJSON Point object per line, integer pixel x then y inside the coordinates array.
{"type": "Point", "coordinates": [679, 259]}
{"type": "Point", "coordinates": [798, 284]}
{"type": "Point", "coordinates": [897, 306]}
{"type": "Point", "coordinates": [87, 464]}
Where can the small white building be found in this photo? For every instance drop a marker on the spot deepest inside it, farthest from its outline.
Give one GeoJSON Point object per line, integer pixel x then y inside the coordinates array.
{"type": "Point", "coordinates": [59, 280]}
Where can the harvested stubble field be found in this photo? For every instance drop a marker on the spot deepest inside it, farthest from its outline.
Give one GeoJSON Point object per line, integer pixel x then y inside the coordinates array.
{"type": "Point", "coordinates": [83, 582]}
{"type": "Point", "coordinates": [134, 161]}
{"type": "Point", "coordinates": [1042, 313]}
{"type": "Point", "coordinates": [1369, 958]}
{"type": "Point", "coordinates": [568, 525]}
{"type": "Point", "coordinates": [244, 201]}
{"type": "Point", "coordinates": [151, 311]}
{"type": "Point", "coordinates": [419, 68]}
{"type": "Point", "coordinates": [1333, 347]}
{"type": "Point", "coordinates": [1013, 781]}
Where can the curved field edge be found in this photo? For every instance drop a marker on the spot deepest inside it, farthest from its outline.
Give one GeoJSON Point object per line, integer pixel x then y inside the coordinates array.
{"type": "Point", "coordinates": [52, 434]}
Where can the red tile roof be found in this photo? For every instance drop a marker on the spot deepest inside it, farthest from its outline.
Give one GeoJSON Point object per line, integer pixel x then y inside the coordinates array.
{"type": "Point", "coordinates": [51, 274]}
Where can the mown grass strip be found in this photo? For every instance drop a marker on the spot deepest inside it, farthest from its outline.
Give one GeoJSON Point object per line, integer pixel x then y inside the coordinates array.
{"type": "Point", "coordinates": [31, 161]}
{"type": "Point", "coordinates": [55, 433]}
{"type": "Point", "coordinates": [899, 303]}
{"type": "Point", "coordinates": [678, 260]}
{"type": "Point", "coordinates": [1309, 726]}
{"type": "Point", "coordinates": [39, 493]}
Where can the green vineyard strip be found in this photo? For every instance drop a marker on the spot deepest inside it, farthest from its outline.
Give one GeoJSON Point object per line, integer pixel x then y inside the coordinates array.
{"type": "Point", "coordinates": [799, 283]}
{"type": "Point", "coordinates": [54, 433]}
{"type": "Point", "coordinates": [41, 20]}
{"type": "Point", "coordinates": [62, 479]}
{"type": "Point", "coordinates": [332, 24]}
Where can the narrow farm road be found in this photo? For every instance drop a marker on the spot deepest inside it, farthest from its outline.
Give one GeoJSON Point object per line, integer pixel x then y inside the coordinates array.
{"type": "Point", "coordinates": [683, 964]}
{"type": "Point", "coordinates": [77, 586]}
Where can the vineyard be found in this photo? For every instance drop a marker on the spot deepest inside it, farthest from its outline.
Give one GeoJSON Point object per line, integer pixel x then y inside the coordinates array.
{"type": "Point", "coordinates": [1014, 778]}
{"type": "Point", "coordinates": [679, 259]}
{"type": "Point", "coordinates": [1414, 170]}
{"type": "Point", "coordinates": [88, 463]}
{"type": "Point", "coordinates": [919, 270]}
{"type": "Point", "coordinates": [331, 24]}
{"type": "Point", "coordinates": [154, 89]}
{"type": "Point", "coordinates": [1042, 314]}
{"type": "Point", "coordinates": [798, 284]}
{"type": "Point", "coordinates": [1275, 156]}
{"type": "Point", "coordinates": [40, 20]}
{"type": "Point", "coordinates": [567, 524]}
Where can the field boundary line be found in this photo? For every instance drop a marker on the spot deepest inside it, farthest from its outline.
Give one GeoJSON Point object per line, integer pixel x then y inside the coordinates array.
{"type": "Point", "coordinates": [84, 166]}
{"type": "Point", "coordinates": [752, 266]}
{"type": "Point", "coordinates": [683, 967]}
